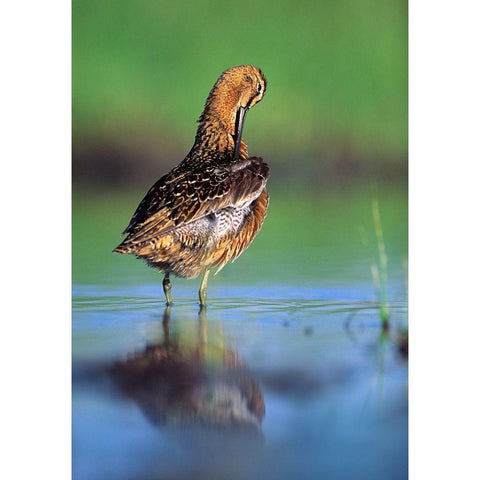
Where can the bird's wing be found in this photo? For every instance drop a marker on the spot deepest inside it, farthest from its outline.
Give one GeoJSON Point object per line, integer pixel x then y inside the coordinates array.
{"type": "Point", "coordinates": [178, 199]}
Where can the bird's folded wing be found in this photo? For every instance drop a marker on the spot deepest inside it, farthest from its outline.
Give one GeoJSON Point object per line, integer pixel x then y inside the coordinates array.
{"type": "Point", "coordinates": [176, 200]}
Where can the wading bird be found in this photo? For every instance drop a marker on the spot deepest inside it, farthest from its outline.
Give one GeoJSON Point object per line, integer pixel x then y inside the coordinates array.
{"type": "Point", "coordinates": [208, 209]}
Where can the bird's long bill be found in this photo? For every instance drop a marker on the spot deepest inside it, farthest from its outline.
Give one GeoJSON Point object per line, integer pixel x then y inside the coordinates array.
{"type": "Point", "coordinates": [242, 112]}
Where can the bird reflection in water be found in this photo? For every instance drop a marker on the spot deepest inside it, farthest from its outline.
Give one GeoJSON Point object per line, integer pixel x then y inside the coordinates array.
{"type": "Point", "coordinates": [192, 384]}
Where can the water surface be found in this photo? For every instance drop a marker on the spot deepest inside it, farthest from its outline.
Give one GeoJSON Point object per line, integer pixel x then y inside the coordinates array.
{"type": "Point", "coordinates": [288, 373]}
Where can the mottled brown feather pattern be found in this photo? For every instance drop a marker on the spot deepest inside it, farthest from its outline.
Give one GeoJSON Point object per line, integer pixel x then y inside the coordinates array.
{"type": "Point", "coordinates": [208, 209]}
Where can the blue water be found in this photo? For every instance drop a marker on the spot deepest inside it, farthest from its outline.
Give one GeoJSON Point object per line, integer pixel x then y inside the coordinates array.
{"type": "Point", "coordinates": [271, 382]}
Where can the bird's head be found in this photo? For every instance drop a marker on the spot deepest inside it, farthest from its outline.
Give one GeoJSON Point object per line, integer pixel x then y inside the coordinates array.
{"type": "Point", "coordinates": [236, 91]}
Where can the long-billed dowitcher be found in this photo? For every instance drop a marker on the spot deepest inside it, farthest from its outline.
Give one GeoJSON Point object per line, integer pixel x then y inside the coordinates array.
{"type": "Point", "coordinates": [207, 210]}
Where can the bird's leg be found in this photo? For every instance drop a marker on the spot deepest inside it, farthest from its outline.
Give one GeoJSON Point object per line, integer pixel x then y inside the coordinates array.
{"type": "Point", "coordinates": [202, 293]}
{"type": "Point", "coordinates": [167, 287]}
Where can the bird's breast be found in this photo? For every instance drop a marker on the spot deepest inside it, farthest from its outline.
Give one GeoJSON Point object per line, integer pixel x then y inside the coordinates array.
{"type": "Point", "coordinates": [213, 227]}
{"type": "Point", "coordinates": [230, 219]}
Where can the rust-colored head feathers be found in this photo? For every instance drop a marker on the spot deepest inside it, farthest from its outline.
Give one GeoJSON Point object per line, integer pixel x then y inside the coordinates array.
{"type": "Point", "coordinates": [236, 91]}
{"type": "Point", "coordinates": [242, 86]}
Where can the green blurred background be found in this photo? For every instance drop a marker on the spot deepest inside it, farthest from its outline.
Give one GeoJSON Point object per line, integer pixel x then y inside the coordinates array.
{"type": "Point", "coordinates": [335, 108]}
{"type": "Point", "coordinates": [333, 120]}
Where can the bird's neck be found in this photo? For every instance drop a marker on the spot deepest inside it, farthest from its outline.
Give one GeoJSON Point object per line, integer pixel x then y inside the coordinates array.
{"type": "Point", "coordinates": [216, 129]}
{"type": "Point", "coordinates": [216, 137]}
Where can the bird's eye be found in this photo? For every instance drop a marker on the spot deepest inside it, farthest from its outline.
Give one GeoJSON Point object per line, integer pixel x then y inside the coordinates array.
{"type": "Point", "coordinates": [259, 87]}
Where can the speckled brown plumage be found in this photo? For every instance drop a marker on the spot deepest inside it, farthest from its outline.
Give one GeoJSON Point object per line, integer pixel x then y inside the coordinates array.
{"type": "Point", "coordinates": [208, 209]}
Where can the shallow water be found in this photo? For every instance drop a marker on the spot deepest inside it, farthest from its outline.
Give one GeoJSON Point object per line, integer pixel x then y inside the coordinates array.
{"type": "Point", "coordinates": [287, 374]}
